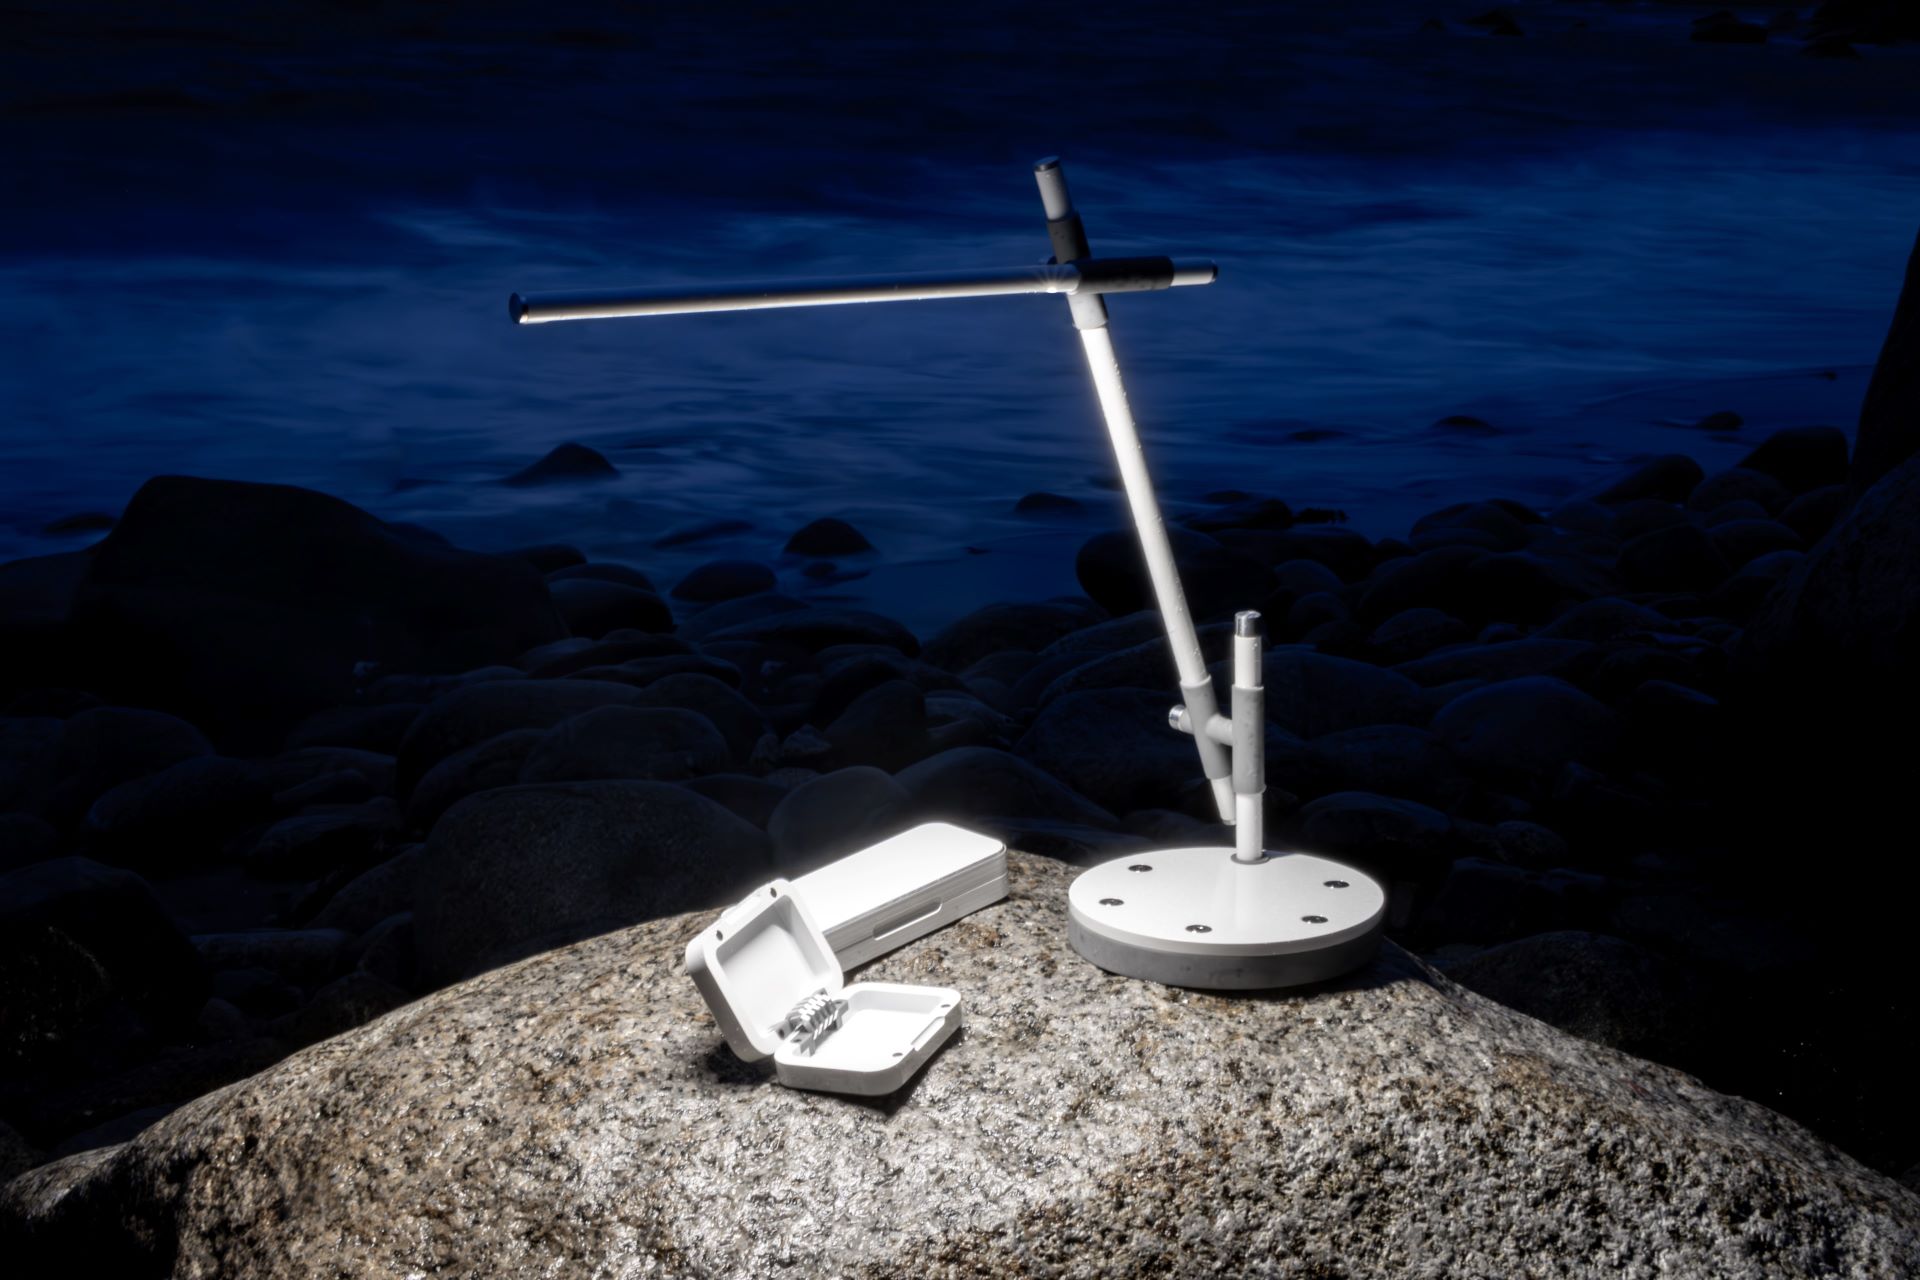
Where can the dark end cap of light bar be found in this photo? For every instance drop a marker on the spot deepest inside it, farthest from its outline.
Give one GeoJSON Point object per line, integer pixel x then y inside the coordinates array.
{"type": "Point", "coordinates": [516, 308]}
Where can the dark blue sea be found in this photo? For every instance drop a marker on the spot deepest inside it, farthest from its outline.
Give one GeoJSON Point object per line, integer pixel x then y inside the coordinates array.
{"type": "Point", "coordinates": [275, 243]}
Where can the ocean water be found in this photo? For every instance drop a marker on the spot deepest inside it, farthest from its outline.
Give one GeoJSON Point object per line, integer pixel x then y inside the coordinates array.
{"type": "Point", "coordinates": [279, 249]}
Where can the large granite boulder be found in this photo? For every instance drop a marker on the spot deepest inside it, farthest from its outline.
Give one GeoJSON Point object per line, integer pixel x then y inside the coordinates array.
{"type": "Point", "coordinates": [578, 1114]}
{"type": "Point", "coordinates": [247, 606]}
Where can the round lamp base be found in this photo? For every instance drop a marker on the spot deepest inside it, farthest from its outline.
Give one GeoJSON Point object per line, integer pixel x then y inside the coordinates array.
{"type": "Point", "coordinates": [1197, 918]}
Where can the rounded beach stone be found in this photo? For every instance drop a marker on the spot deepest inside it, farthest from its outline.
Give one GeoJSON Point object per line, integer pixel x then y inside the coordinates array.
{"type": "Point", "coordinates": [724, 580]}
{"type": "Point", "coordinates": [648, 743]}
{"type": "Point", "coordinates": [1084, 1123]}
{"type": "Point", "coordinates": [523, 868]}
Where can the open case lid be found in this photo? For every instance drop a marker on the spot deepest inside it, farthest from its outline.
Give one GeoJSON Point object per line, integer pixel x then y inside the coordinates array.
{"type": "Point", "coordinates": [762, 957]}
{"type": "Point", "coordinates": [765, 969]}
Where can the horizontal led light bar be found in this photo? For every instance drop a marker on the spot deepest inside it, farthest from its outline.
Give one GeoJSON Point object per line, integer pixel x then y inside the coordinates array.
{"type": "Point", "coordinates": [1085, 277]}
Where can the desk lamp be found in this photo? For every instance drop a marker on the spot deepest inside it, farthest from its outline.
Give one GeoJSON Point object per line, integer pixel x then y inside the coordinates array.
{"type": "Point", "coordinates": [1212, 918]}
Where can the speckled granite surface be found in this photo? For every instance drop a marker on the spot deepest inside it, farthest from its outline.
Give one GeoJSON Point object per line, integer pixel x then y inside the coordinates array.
{"type": "Point", "coordinates": [577, 1114]}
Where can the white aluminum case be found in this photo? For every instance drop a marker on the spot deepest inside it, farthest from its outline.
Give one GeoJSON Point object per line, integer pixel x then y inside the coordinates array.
{"type": "Point", "coordinates": [761, 961]}
{"type": "Point", "coordinates": [883, 897]}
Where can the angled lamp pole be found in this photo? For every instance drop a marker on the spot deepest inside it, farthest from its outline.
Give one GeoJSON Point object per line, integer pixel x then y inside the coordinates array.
{"type": "Point", "coordinates": [1213, 918]}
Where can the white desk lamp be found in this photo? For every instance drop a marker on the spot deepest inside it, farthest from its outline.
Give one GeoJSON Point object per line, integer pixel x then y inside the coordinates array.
{"type": "Point", "coordinates": [1213, 918]}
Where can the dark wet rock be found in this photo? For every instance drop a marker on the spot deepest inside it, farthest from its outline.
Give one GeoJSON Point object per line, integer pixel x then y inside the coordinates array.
{"type": "Point", "coordinates": [107, 1107]}
{"type": "Point", "coordinates": [1144, 666]}
{"type": "Point", "coordinates": [246, 607]}
{"type": "Point", "coordinates": [568, 463]}
{"type": "Point", "coordinates": [480, 767]}
{"type": "Point", "coordinates": [835, 814]}
{"type": "Point", "coordinates": [729, 613]}
{"type": "Point", "coordinates": [1813, 513]}
{"type": "Point", "coordinates": [828, 536]}
{"type": "Point", "coordinates": [373, 895]}
{"type": "Point", "coordinates": [467, 717]}
{"type": "Point", "coordinates": [524, 868]}
{"type": "Point", "coordinates": [813, 628]}
{"type": "Point", "coordinates": [292, 770]}
{"type": "Point", "coordinates": [724, 580]}
{"type": "Point", "coordinates": [1311, 693]}
{"type": "Point", "coordinates": [751, 798]}
{"type": "Point", "coordinates": [1802, 458]}
{"type": "Point", "coordinates": [117, 921]}
{"type": "Point", "coordinates": [971, 782]}
{"type": "Point", "coordinates": [1304, 577]}
{"type": "Point", "coordinates": [1591, 985]}
{"type": "Point", "coordinates": [646, 743]}
{"type": "Point", "coordinates": [1114, 746]}
{"type": "Point", "coordinates": [371, 728]}
{"type": "Point", "coordinates": [1528, 844]}
{"type": "Point", "coordinates": [1678, 558]}
{"type": "Point", "coordinates": [847, 671]}
{"type": "Point", "coordinates": [644, 673]}
{"type": "Point", "coordinates": [36, 599]}
{"type": "Point", "coordinates": [304, 957]}
{"type": "Point", "coordinates": [1110, 636]}
{"type": "Point", "coordinates": [1430, 580]}
{"type": "Point", "coordinates": [349, 1001]}
{"type": "Point", "coordinates": [1502, 660]}
{"type": "Point", "coordinates": [1502, 526]}
{"type": "Point", "coordinates": [549, 557]}
{"type": "Point", "coordinates": [258, 992]}
{"type": "Point", "coordinates": [182, 815]}
{"type": "Point", "coordinates": [81, 522]}
{"type": "Point", "coordinates": [1315, 610]}
{"type": "Point", "coordinates": [1738, 509]}
{"type": "Point", "coordinates": [1738, 483]}
{"type": "Point", "coordinates": [999, 627]}
{"type": "Point", "coordinates": [885, 727]}
{"type": "Point", "coordinates": [1218, 578]}
{"type": "Point", "coordinates": [104, 747]}
{"type": "Point", "coordinates": [1739, 541]}
{"type": "Point", "coordinates": [423, 689]}
{"type": "Point", "coordinates": [603, 571]}
{"type": "Point", "coordinates": [738, 720]}
{"type": "Point", "coordinates": [344, 837]}
{"type": "Point", "coordinates": [29, 762]}
{"type": "Point", "coordinates": [391, 952]}
{"type": "Point", "coordinates": [56, 993]}
{"type": "Point", "coordinates": [1607, 618]}
{"type": "Point", "coordinates": [1582, 516]}
{"type": "Point", "coordinates": [1413, 633]}
{"type": "Point", "coordinates": [1385, 759]}
{"type": "Point", "coordinates": [1417, 1067]}
{"type": "Point", "coordinates": [1040, 503]}
{"type": "Point", "coordinates": [593, 607]}
{"type": "Point", "coordinates": [1483, 901]}
{"type": "Point", "coordinates": [1249, 513]}
{"type": "Point", "coordinates": [1527, 727]}
{"type": "Point", "coordinates": [1393, 838]}
{"type": "Point", "coordinates": [1887, 435]}
{"type": "Point", "coordinates": [1339, 637]}
{"type": "Point", "coordinates": [1671, 477]}
{"type": "Point", "coordinates": [25, 838]}
{"type": "Point", "coordinates": [1644, 515]}
{"type": "Point", "coordinates": [17, 1155]}
{"type": "Point", "coordinates": [1513, 587]}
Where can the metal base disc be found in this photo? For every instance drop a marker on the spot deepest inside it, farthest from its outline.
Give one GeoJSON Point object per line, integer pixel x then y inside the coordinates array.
{"type": "Point", "coordinates": [1197, 918]}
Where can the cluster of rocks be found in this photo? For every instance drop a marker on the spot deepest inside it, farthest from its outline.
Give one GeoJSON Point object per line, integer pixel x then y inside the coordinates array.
{"type": "Point", "coordinates": [295, 766]}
